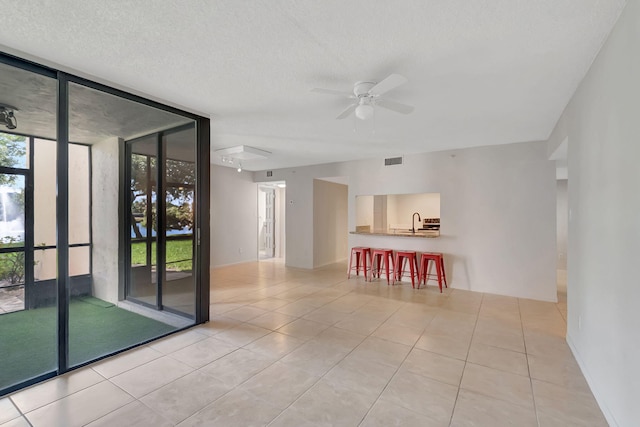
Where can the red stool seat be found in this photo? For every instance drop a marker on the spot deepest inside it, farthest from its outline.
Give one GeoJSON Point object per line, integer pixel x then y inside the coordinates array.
{"type": "Point", "coordinates": [400, 261]}
{"type": "Point", "coordinates": [363, 253]}
{"type": "Point", "coordinates": [382, 258]}
{"type": "Point", "coordinates": [438, 260]}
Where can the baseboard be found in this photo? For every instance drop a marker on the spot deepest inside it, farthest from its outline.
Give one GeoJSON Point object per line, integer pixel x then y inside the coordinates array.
{"type": "Point", "coordinates": [330, 263]}
{"type": "Point", "coordinates": [598, 396]}
{"type": "Point", "coordinates": [213, 267]}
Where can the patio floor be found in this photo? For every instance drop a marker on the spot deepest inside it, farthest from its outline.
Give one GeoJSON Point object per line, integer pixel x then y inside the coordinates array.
{"type": "Point", "coordinates": [11, 299]}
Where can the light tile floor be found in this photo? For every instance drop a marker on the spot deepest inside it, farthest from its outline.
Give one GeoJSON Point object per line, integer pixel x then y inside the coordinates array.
{"type": "Point", "coordinates": [288, 347]}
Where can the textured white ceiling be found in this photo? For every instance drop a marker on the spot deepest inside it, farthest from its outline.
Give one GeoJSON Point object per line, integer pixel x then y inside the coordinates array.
{"type": "Point", "coordinates": [480, 72]}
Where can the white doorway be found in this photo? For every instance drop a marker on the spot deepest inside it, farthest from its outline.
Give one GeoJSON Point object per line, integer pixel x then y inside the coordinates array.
{"type": "Point", "coordinates": [562, 221]}
{"type": "Point", "coordinates": [271, 220]}
{"type": "Point", "coordinates": [562, 226]}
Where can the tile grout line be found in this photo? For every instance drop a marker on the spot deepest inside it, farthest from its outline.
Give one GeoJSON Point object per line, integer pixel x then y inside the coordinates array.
{"type": "Point", "coordinates": [401, 298]}
{"type": "Point", "coordinates": [396, 371]}
{"type": "Point", "coordinates": [560, 311]}
{"type": "Point", "coordinates": [274, 362]}
{"type": "Point", "coordinates": [526, 353]}
{"type": "Point", "coordinates": [344, 357]}
{"type": "Point", "coordinates": [196, 369]}
{"type": "Point", "coordinates": [19, 412]}
{"type": "Point", "coordinates": [400, 365]}
{"type": "Point", "coordinates": [213, 361]}
{"type": "Point", "coordinates": [147, 346]}
{"type": "Point", "coordinates": [465, 360]}
{"type": "Point", "coordinates": [224, 394]}
{"type": "Point", "coordinates": [135, 399]}
{"type": "Point", "coordinates": [335, 364]}
{"type": "Point", "coordinates": [11, 395]}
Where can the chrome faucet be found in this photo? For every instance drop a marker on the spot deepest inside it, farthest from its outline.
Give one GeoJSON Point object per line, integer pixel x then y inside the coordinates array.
{"type": "Point", "coordinates": [413, 221]}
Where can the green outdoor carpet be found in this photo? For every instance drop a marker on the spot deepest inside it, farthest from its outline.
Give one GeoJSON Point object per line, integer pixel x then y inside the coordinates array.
{"type": "Point", "coordinates": [28, 338]}
{"type": "Point", "coordinates": [95, 301]}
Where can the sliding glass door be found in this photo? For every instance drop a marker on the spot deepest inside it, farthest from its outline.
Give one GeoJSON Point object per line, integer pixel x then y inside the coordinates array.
{"type": "Point", "coordinates": [142, 274]}
{"type": "Point", "coordinates": [100, 248]}
{"type": "Point", "coordinates": [178, 290]}
{"type": "Point", "coordinates": [28, 315]}
{"type": "Point", "coordinates": [161, 171]}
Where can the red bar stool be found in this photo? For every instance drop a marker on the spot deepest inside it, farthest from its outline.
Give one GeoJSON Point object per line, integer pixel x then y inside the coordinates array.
{"type": "Point", "coordinates": [359, 252]}
{"type": "Point", "coordinates": [438, 260]}
{"type": "Point", "coordinates": [380, 258]}
{"type": "Point", "coordinates": [400, 261]}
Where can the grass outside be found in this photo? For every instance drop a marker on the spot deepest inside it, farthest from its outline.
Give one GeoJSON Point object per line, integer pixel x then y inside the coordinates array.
{"type": "Point", "coordinates": [177, 252]}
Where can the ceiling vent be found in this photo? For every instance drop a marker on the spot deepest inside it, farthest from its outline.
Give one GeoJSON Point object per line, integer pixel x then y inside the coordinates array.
{"type": "Point", "coordinates": [393, 161]}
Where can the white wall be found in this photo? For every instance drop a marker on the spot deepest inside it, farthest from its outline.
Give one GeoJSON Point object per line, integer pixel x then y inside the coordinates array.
{"type": "Point", "coordinates": [364, 210]}
{"type": "Point", "coordinates": [329, 223]}
{"type": "Point", "coordinates": [299, 209]}
{"type": "Point", "coordinates": [393, 219]}
{"type": "Point", "coordinates": [426, 204]}
{"type": "Point", "coordinates": [562, 221]}
{"type": "Point", "coordinates": [498, 213]}
{"type": "Point", "coordinates": [601, 122]}
{"type": "Point", "coordinates": [234, 215]}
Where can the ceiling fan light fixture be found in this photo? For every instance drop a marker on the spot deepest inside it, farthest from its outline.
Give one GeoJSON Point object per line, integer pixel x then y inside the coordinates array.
{"type": "Point", "coordinates": [367, 95]}
{"type": "Point", "coordinates": [364, 111]}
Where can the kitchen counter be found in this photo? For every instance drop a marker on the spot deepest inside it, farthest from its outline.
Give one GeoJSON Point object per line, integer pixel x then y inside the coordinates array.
{"type": "Point", "coordinates": [420, 234]}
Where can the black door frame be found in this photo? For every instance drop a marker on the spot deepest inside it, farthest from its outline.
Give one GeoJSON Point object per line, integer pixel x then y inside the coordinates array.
{"type": "Point", "coordinates": [161, 236]}
{"type": "Point", "coordinates": [201, 254]}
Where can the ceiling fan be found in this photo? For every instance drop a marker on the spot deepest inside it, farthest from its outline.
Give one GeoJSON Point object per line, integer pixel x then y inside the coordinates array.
{"type": "Point", "coordinates": [366, 95]}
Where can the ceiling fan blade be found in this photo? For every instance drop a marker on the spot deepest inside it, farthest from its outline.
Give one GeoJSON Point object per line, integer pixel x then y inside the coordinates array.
{"type": "Point", "coordinates": [350, 109]}
{"type": "Point", "coordinates": [391, 82]}
{"type": "Point", "coordinates": [394, 106]}
{"type": "Point", "coordinates": [331, 92]}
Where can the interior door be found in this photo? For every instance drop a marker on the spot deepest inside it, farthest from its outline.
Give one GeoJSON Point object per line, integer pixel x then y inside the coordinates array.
{"type": "Point", "coordinates": [269, 223]}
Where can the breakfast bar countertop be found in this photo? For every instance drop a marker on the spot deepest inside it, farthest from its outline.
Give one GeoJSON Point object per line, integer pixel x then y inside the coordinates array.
{"type": "Point", "coordinates": [421, 234]}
